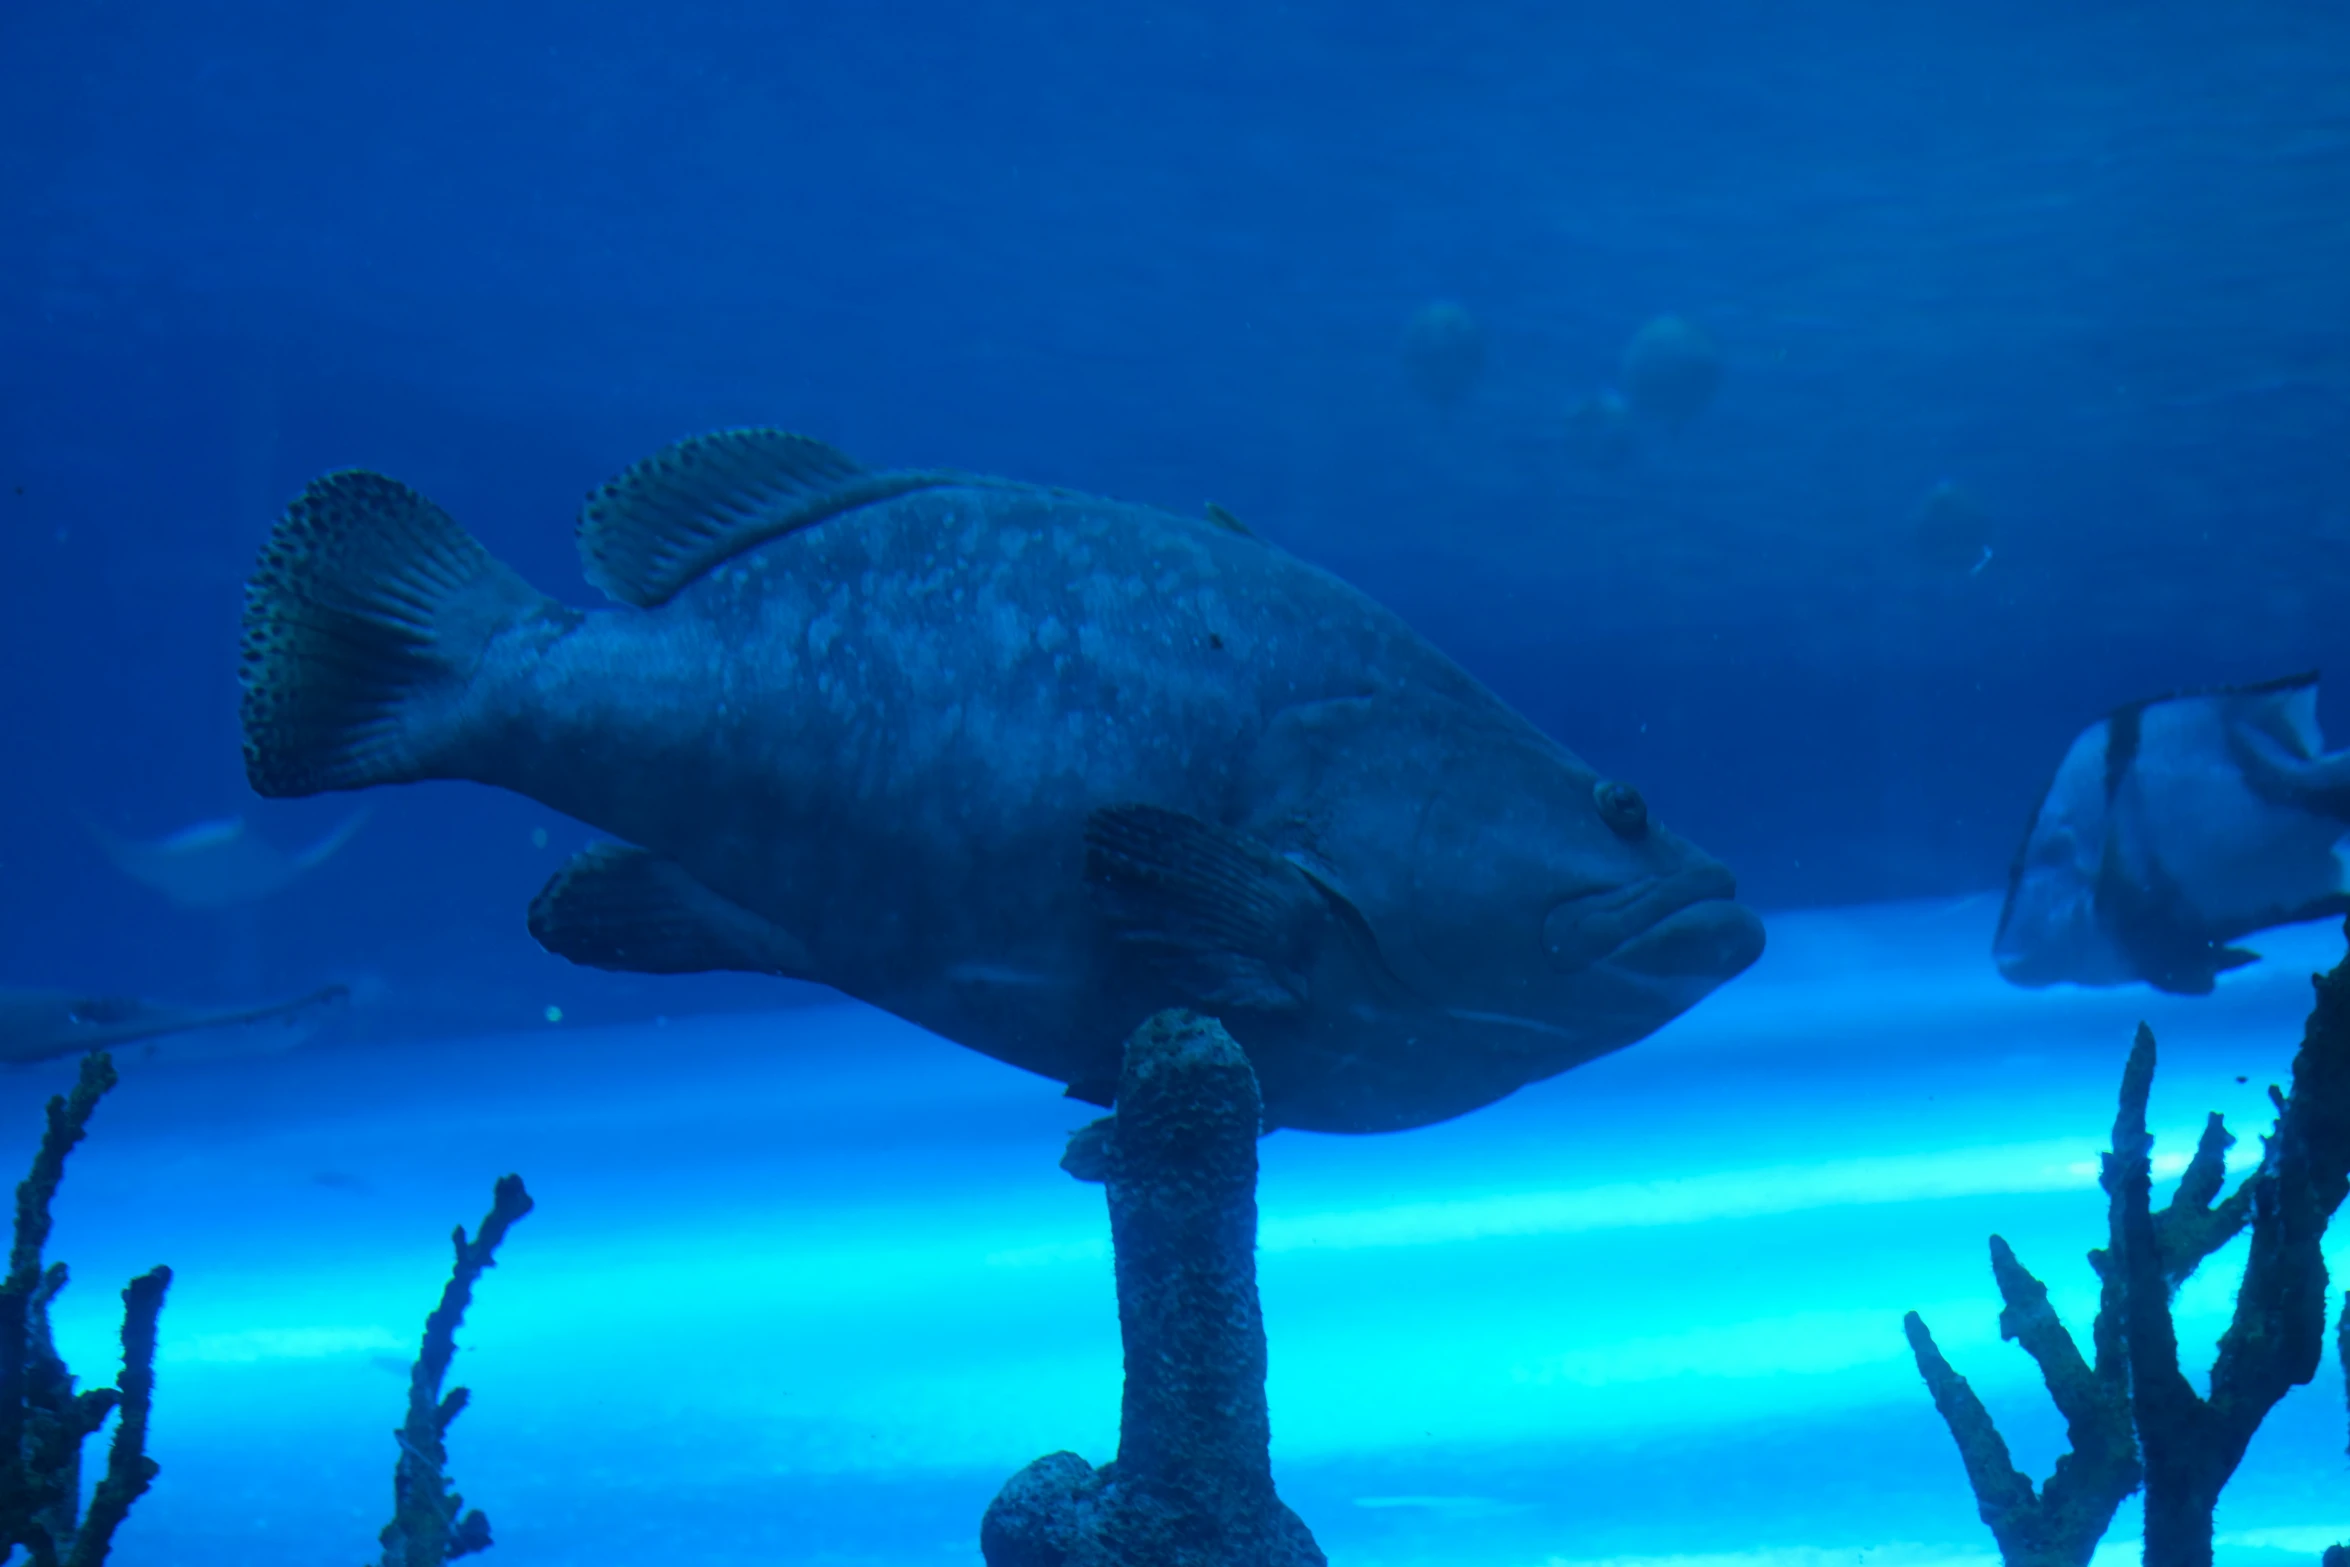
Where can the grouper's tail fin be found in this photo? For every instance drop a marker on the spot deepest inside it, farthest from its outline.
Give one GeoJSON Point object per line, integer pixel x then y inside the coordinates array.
{"type": "Point", "coordinates": [364, 622]}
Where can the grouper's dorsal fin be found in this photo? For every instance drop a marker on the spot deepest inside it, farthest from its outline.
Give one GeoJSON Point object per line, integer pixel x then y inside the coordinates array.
{"type": "Point", "coordinates": [684, 509]}
{"type": "Point", "coordinates": [631, 910]}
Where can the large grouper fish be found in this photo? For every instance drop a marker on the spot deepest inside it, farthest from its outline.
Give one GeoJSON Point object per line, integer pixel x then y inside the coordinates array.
{"type": "Point", "coordinates": [1020, 765]}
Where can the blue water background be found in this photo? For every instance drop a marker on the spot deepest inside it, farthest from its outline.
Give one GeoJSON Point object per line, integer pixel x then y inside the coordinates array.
{"type": "Point", "coordinates": [2091, 262]}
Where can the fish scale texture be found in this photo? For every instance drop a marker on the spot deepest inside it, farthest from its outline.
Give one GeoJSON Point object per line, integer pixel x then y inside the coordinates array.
{"type": "Point", "coordinates": [1193, 1482]}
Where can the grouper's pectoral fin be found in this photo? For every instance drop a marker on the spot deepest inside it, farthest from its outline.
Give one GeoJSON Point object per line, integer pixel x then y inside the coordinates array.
{"type": "Point", "coordinates": [1221, 916]}
{"type": "Point", "coordinates": [690, 506]}
{"type": "Point", "coordinates": [616, 907]}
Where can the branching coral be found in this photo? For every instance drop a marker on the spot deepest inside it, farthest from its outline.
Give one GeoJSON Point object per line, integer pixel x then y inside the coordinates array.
{"type": "Point", "coordinates": [430, 1524]}
{"type": "Point", "coordinates": [2130, 1413]}
{"type": "Point", "coordinates": [43, 1421]}
{"type": "Point", "coordinates": [2192, 1445]}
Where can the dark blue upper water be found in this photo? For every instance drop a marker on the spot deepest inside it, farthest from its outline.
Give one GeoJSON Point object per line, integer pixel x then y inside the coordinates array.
{"type": "Point", "coordinates": [2087, 263]}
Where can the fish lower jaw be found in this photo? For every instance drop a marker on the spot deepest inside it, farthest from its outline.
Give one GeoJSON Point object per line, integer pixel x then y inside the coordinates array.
{"type": "Point", "coordinates": [1713, 940]}
{"type": "Point", "coordinates": [1591, 930]}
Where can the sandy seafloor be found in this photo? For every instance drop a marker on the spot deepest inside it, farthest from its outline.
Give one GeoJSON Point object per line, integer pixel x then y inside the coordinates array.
{"type": "Point", "coordinates": [807, 1286]}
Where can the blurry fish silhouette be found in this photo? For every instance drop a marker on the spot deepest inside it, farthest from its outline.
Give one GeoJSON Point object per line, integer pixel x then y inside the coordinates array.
{"type": "Point", "coordinates": [42, 1025]}
{"type": "Point", "coordinates": [2172, 828]}
{"type": "Point", "coordinates": [1670, 371]}
{"type": "Point", "coordinates": [1952, 531]}
{"type": "Point", "coordinates": [1600, 429]}
{"type": "Point", "coordinates": [218, 864]}
{"type": "Point", "coordinates": [1443, 352]}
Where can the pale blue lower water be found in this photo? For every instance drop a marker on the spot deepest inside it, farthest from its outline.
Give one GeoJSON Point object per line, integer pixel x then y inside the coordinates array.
{"type": "Point", "coordinates": [809, 1286]}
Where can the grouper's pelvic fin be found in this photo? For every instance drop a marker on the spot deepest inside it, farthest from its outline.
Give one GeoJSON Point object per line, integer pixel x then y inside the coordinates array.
{"type": "Point", "coordinates": [364, 621]}
{"type": "Point", "coordinates": [629, 909]}
{"type": "Point", "coordinates": [690, 506]}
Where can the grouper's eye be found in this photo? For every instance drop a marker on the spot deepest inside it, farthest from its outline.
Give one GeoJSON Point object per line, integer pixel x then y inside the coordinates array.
{"type": "Point", "coordinates": [1621, 807]}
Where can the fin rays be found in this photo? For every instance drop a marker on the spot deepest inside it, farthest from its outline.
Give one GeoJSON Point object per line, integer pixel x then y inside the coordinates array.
{"type": "Point", "coordinates": [686, 508]}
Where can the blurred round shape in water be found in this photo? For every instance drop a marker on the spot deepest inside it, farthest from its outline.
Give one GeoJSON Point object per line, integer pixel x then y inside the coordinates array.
{"type": "Point", "coordinates": [1951, 530]}
{"type": "Point", "coordinates": [1670, 371]}
{"type": "Point", "coordinates": [1601, 431]}
{"type": "Point", "coordinates": [1443, 352]}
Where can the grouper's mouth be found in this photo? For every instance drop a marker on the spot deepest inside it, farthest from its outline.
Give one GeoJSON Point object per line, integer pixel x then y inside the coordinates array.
{"type": "Point", "coordinates": [1634, 958]}
{"type": "Point", "coordinates": [1710, 941]}
{"type": "Point", "coordinates": [1679, 926]}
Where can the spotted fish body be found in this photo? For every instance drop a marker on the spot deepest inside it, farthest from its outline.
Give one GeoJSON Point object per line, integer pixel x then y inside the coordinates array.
{"type": "Point", "coordinates": [1020, 765]}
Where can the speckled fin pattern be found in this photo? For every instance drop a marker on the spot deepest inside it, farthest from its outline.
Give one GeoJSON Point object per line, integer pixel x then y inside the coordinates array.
{"type": "Point", "coordinates": [618, 907]}
{"type": "Point", "coordinates": [670, 518]}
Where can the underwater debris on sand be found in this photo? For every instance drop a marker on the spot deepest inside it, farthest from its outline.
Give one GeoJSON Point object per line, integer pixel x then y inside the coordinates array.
{"type": "Point", "coordinates": [430, 1523]}
{"type": "Point", "coordinates": [2186, 1447]}
{"type": "Point", "coordinates": [1192, 1484]}
{"type": "Point", "coordinates": [43, 1421]}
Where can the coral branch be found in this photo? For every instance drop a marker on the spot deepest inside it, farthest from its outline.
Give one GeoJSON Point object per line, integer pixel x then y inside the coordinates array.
{"type": "Point", "coordinates": [2276, 1337]}
{"type": "Point", "coordinates": [2106, 1408]}
{"type": "Point", "coordinates": [2170, 1418]}
{"type": "Point", "coordinates": [129, 1471]}
{"type": "Point", "coordinates": [2190, 1229]}
{"type": "Point", "coordinates": [2003, 1493]}
{"type": "Point", "coordinates": [2342, 1345]}
{"type": "Point", "coordinates": [429, 1523]}
{"type": "Point", "coordinates": [2101, 1468]}
{"type": "Point", "coordinates": [69, 1119]}
{"type": "Point", "coordinates": [43, 1421]}
{"type": "Point", "coordinates": [2059, 1524]}
{"type": "Point", "coordinates": [2339, 1555]}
